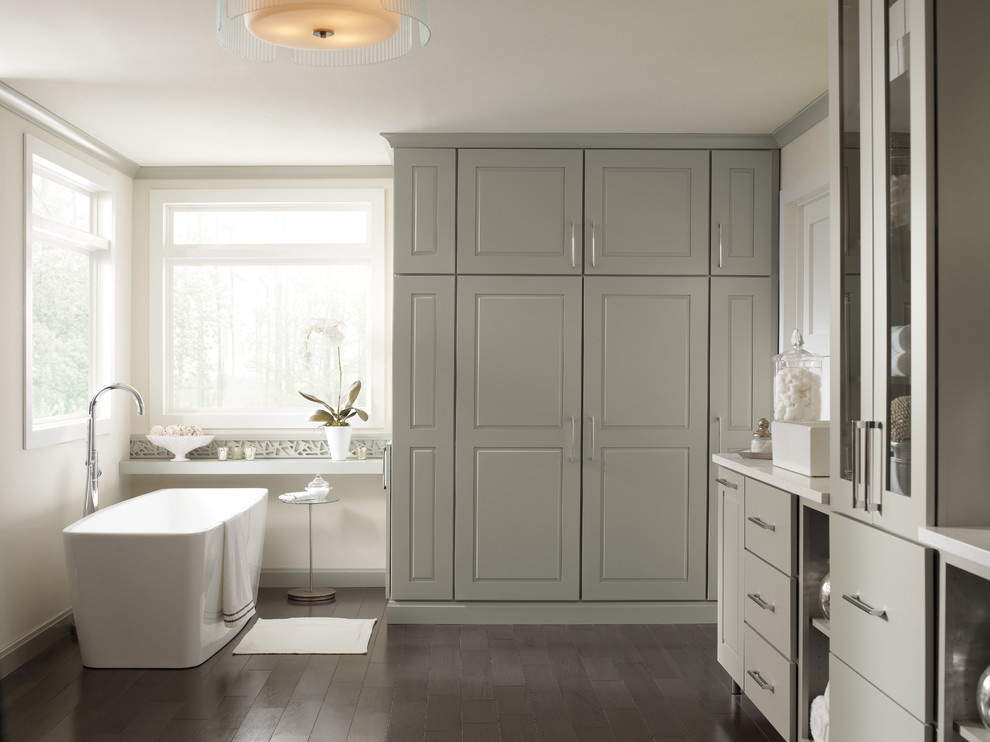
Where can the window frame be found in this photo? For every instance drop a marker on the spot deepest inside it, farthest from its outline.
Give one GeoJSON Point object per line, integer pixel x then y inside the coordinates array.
{"type": "Point", "coordinates": [163, 202]}
{"type": "Point", "coordinates": [97, 244]}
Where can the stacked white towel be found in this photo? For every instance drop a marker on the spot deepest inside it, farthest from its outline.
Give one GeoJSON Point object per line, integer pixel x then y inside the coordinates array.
{"type": "Point", "coordinates": [900, 350]}
{"type": "Point", "coordinates": [819, 718]}
{"type": "Point", "coordinates": [238, 597]}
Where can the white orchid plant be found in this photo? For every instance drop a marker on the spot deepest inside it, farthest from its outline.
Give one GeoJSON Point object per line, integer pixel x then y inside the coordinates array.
{"type": "Point", "coordinates": [330, 416]}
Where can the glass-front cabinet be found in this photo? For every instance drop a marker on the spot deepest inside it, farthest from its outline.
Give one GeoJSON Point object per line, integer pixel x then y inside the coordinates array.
{"type": "Point", "coordinates": [882, 263]}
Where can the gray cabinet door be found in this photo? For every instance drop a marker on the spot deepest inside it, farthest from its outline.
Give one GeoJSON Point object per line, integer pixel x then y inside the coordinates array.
{"type": "Point", "coordinates": [729, 643]}
{"type": "Point", "coordinates": [743, 339]}
{"type": "Point", "coordinates": [519, 211]}
{"type": "Point", "coordinates": [646, 212]}
{"type": "Point", "coordinates": [421, 508]}
{"type": "Point", "coordinates": [518, 498]}
{"type": "Point", "coordinates": [425, 193]}
{"type": "Point", "coordinates": [744, 212]}
{"type": "Point", "coordinates": [645, 470]}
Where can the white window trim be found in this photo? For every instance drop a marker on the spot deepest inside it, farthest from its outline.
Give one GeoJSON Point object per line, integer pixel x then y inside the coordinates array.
{"type": "Point", "coordinates": [70, 428]}
{"type": "Point", "coordinates": [250, 421]}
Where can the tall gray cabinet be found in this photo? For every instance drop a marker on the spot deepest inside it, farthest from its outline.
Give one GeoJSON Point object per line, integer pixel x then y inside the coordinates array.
{"type": "Point", "coordinates": [554, 404]}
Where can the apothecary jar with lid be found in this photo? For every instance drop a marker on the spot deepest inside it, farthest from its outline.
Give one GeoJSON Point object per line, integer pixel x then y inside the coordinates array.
{"type": "Point", "coordinates": [797, 383]}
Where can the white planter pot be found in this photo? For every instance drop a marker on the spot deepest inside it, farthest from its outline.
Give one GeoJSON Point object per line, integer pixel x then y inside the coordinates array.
{"type": "Point", "coordinates": [339, 441]}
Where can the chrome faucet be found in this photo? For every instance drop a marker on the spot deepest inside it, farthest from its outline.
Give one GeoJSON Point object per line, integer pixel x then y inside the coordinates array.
{"type": "Point", "coordinates": [92, 501]}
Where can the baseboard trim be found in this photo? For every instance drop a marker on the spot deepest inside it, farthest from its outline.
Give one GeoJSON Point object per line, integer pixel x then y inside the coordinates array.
{"type": "Point", "coordinates": [415, 612]}
{"type": "Point", "coordinates": [29, 647]}
{"type": "Point", "coordinates": [278, 577]}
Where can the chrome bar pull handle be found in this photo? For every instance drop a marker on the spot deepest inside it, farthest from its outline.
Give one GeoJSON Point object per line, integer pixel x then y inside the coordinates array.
{"type": "Point", "coordinates": [718, 435]}
{"type": "Point", "coordinates": [872, 499]}
{"type": "Point", "coordinates": [594, 245]}
{"type": "Point", "coordinates": [570, 455]}
{"type": "Point", "coordinates": [591, 452]}
{"type": "Point", "coordinates": [762, 523]}
{"type": "Point", "coordinates": [759, 680]}
{"type": "Point", "coordinates": [573, 247]}
{"type": "Point", "coordinates": [866, 608]}
{"type": "Point", "coordinates": [720, 253]}
{"type": "Point", "coordinates": [857, 427]}
{"type": "Point", "coordinates": [755, 597]}
{"type": "Point", "coordinates": [386, 464]}
{"type": "Point", "coordinates": [727, 483]}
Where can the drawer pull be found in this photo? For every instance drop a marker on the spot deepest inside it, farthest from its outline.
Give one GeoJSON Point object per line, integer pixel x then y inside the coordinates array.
{"type": "Point", "coordinates": [727, 483]}
{"type": "Point", "coordinates": [762, 523]}
{"type": "Point", "coordinates": [755, 597]}
{"type": "Point", "coordinates": [758, 679]}
{"type": "Point", "coordinates": [854, 599]}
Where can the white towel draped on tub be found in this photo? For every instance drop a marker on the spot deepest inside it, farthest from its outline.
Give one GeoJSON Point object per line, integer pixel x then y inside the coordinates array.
{"type": "Point", "coordinates": [238, 598]}
{"type": "Point", "coordinates": [819, 718]}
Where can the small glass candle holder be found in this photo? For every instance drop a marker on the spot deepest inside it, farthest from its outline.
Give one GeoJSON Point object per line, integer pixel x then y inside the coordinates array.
{"type": "Point", "coordinates": [361, 453]}
{"type": "Point", "coordinates": [222, 453]}
{"type": "Point", "coordinates": [236, 453]}
{"type": "Point", "coordinates": [249, 453]}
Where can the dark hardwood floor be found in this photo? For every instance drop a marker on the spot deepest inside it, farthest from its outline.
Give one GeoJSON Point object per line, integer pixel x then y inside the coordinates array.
{"type": "Point", "coordinates": [521, 683]}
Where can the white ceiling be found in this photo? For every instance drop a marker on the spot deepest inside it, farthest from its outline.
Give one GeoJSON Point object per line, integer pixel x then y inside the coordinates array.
{"type": "Point", "coordinates": [149, 80]}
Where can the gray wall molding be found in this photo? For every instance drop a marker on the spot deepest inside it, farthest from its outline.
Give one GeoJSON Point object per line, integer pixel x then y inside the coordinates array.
{"type": "Point", "coordinates": [264, 172]}
{"type": "Point", "coordinates": [580, 141]}
{"type": "Point", "coordinates": [41, 116]}
{"type": "Point", "coordinates": [415, 612]}
{"type": "Point", "coordinates": [30, 646]}
{"type": "Point", "coordinates": [803, 120]}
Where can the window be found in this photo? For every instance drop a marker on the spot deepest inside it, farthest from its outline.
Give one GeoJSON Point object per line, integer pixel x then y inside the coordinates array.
{"type": "Point", "coordinates": [242, 278]}
{"type": "Point", "coordinates": [68, 293]}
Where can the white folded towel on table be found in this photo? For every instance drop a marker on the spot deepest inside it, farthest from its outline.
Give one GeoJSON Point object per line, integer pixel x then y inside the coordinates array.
{"type": "Point", "coordinates": [238, 597]}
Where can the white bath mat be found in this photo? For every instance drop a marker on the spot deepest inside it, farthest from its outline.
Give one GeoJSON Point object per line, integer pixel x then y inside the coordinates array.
{"type": "Point", "coordinates": [307, 635]}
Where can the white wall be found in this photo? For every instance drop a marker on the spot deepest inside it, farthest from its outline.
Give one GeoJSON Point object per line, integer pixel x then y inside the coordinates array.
{"type": "Point", "coordinates": [43, 488]}
{"type": "Point", "coordinates": [803, 197]}
{"type": "Point", "coordinates": [805, 156]}
{"type": "Point", "coordinates": [349, 536]}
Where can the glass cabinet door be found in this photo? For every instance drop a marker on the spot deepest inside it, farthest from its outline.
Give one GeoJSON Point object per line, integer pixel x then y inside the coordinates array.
{"type": "Point", "coordinates": [847, 212]}
{"type": "Point", "coordinates": [903, 256]}
{"type": "Point", "coordinates": [897, 335]}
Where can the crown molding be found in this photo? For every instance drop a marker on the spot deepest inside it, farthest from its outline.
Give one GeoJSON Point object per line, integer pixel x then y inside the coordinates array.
{"type": "Point", "coordinates": [803, 120]}
{"type": "Point", "coordinates": [41, 116]}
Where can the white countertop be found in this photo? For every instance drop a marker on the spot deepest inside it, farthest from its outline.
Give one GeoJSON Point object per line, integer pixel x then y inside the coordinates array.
{"type": "Point", "coordinates": [763, 470]}
{"type": "Point", "coordinates": [273, 465]}
{"type": "Point", "coordinates": [970, 543]}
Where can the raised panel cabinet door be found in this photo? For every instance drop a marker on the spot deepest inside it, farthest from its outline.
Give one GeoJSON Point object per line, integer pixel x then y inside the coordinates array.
{"type": "Point", "coordinates": [645, 468]}
{"type": "Point", "coordinates": [519, 211]}
{"type": "Point", "coordinates": [518, 489]}
{"type": "Point", "coordinates": [729, 645]}
{"type": "Point", "coordinates": [421, 505]}
{"type": "Point", "coordinates": [646, 212]}
{"type": "Point", "coordinates": [425, 205]}
{"type": "Point", "coordinates": [742, 342]}
{"type": "Point", "coordinates": [744, 212]}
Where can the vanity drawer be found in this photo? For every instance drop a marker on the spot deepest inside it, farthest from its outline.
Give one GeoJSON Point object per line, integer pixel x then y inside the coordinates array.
{"type": "Point", "coordinates": [770, 515]}
{"type": "Point", "coordinates": [858, 712]}
{"type": "Point", "coordinates": [771, 683]}
{"type": "Point", "coordinates": [882, 612]}
{"type": "Point", "coordinates": [770, 603]}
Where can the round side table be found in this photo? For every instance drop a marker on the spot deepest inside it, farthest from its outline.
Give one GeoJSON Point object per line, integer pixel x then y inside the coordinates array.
{"type": "Point", "coordinates": [309, 594]}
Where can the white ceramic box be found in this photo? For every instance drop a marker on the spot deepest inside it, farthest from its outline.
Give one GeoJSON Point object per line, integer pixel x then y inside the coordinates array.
{"type": "Point", "coordinates": [801, 447]}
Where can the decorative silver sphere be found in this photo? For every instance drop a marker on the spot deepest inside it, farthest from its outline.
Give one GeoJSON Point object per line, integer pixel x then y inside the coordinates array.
{"type": "Point", "coordinates": [825, 594]}
{"type": "Point", "coordinates": [983, 697]}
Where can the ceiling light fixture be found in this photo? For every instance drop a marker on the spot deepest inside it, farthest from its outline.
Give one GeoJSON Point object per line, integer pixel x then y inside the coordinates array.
{"type": "Point", "coordinates": [320, 33]}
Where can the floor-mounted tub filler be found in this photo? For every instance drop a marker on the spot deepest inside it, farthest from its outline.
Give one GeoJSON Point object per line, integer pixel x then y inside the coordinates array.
{"type": "Point", "coordinates": [153, 578]}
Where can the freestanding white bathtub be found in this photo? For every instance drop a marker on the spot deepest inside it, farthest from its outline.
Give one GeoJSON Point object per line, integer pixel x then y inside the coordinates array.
{"type": "Point", "coordinates": [146, 575]}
